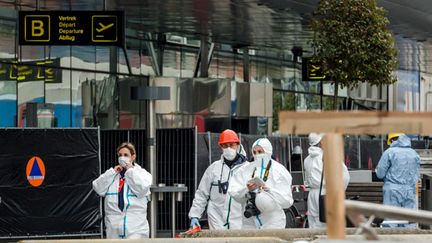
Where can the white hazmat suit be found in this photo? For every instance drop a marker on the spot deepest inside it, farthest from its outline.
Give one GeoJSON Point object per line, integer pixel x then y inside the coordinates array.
{"type": "Point", "coordinates": [313, 165]}
{"type": "Point", "coordinates": [277, 193]}
{"type": "Point", "coordinates": [132, 221]}
{"type": "Point", "coordinates": [223, 212]}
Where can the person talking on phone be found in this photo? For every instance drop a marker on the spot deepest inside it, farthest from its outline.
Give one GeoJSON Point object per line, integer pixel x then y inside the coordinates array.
{"type": "Point", "coordinates": [263, 187]}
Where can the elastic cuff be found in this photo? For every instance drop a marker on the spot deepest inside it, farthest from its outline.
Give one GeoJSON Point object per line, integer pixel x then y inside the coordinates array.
{"type": "Point", "coordinates": [112, 171]}
{"type": "Point", "coordinates": [129, 171]}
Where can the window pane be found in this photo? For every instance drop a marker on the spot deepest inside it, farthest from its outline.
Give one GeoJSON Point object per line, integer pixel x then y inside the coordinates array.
{"type": "Point", "coordinates": [7, 103]}
{"type": "Point", "coordinates": [28, 92]}
{"type": "Point", "coordinates": [59, 95]}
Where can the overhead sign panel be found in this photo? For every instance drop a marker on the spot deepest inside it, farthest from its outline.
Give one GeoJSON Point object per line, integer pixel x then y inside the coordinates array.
{"type": "Point", "coordinates": [71, 28]}
{"type": "Point", "coordinates": [313, 71]}
{"type": "Point", "coordinates": [40, 70]}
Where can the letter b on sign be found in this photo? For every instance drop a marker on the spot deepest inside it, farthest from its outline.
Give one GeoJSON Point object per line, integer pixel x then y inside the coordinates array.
{"type": "Point", "coordinates": [37, 28]}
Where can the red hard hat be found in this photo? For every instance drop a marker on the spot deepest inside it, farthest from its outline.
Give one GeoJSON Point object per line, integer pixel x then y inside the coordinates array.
{"type": "Point", "coordinates": [228, 136]}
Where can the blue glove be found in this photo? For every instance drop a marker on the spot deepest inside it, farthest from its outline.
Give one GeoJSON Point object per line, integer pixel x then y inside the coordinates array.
{"type": "Point", "coordinates": [194, 223]}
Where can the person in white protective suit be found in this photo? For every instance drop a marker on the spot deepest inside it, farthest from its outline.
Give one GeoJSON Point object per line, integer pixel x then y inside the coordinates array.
{"type": "Point", "coordinates": [126, 188]}
{"type": "Point", "coordinates": [313, 165]}
{"type": "Point", "coordinates": [223, 212]}
{"type": "Point", "coordinates": [263, 187]}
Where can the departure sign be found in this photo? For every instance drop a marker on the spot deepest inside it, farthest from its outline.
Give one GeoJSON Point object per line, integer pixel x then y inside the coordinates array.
{"type": "Point", "coordinates": [39, 70]}
{"type": "Point", "coordinates": [71, 28]}
{"type": "Point", "coordinates": [313, 71]}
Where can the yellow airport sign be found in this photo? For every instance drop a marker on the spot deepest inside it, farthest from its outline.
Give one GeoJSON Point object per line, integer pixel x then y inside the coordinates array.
{"type": "Point", "coordinates": [71, 28]}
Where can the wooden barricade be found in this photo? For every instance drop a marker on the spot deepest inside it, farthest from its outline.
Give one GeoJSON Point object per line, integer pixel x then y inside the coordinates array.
{"type": "Point", "coordinates": [334, 124]}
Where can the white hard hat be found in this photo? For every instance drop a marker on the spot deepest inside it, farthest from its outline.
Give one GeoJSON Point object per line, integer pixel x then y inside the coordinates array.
{"type": "Point", "coordinates": [297, 150]}
{"type": "Point", "coordinates": [265, 202]}
{"type": "Point", "coordinates": [315, 138]}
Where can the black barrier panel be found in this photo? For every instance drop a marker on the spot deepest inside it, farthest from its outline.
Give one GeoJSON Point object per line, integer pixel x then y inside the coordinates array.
{"type": "Point", "coordinates": [247, 141]}
{"type": "Point", "coordinates": [203, 159]}
{"type": "Point", "coordinates": [46, 182]}
{"type": "Point", "coordinates": [280, 150]}
{"type": "Point", "coordinates": [351, 150]}
{"type": "Point", "coordinates": [417, 144]}
{"type": "Point", "coordinates": [175, 164]}
{"type": "Point", "coordinates": [138, 138]}
{"type": "Point", "coordinates": [110, 140]}
{"type": "Point", "coordinates": [214, 147]}
{"type": "Point", "coordinates": [370, 151]}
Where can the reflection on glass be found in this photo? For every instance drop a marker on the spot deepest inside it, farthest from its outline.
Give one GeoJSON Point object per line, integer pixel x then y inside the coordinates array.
{"type": "Point", "coordinates": [7, 103]}
{"type": "Point", "coordinates": [131, 112]}
{"type": "Point", "coordinates": [45, 116]}
{"type": "Point", "coordinates": [28, 92]}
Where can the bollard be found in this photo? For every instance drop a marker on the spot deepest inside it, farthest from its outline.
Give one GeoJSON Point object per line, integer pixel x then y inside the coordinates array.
{"type": "Point", "coordinates": [180, 193]}
{"type": "Point", "coordinates": [160, 194]}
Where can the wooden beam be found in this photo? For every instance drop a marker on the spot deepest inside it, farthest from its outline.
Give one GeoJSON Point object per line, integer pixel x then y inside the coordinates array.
{"type": "Point", "coordinates": [332, 145]}
{"type": "Point", "coordinates": [358, 122]}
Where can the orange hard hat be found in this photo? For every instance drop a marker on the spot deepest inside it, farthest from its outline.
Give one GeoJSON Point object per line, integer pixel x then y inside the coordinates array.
{"type": "Point", "coordinates": [228, 136]}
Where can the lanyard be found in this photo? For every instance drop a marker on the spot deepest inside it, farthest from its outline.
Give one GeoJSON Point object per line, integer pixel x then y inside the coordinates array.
{"type": "Point", "coordinates": [266, 173]}
{"type": "Point", "coordinates": [121, 182]}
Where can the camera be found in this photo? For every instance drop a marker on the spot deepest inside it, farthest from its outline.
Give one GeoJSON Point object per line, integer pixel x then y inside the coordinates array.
{"type": "Point", "coordinates": [223, 187]}
{"type": "Point", "coordinates": [251, 209]}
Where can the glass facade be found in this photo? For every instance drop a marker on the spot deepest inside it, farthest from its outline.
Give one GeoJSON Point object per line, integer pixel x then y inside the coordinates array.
{"type": "Point", "coordinates": [90, 86]}
{"type": "Point", "coordinates": [91, 83]}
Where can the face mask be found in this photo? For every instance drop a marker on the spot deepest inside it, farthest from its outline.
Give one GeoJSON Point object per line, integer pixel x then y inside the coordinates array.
{"type": "Point", "coordinates": [123, 161]}
{"type": "Point", "coordinates": [229, 153]}
{"type": "Point", "coordinates": [260, 157]}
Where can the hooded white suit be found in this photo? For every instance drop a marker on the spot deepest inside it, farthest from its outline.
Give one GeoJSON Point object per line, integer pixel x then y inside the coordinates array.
{"type": "Point", "coordinates": [223, 212]}
{"type": "Point", "coordinates": [132, 221]}
{"type": "Point", "coordinates": [278, 186]}
{"type": "Point", "coordinates": [313, 166]}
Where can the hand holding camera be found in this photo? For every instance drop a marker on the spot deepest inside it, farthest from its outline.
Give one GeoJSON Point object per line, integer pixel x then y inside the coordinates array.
{"type": "Point", "coordinates": [251, 209]}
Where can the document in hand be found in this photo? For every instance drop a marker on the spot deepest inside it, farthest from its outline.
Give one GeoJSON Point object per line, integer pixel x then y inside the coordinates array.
{"type": "Point", "coordinates": [258, 181]}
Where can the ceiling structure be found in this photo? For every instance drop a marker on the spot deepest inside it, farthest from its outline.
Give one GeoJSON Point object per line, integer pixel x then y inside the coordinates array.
{"type": "Point", "coordinates": [279, 24]}
{"type": "Point", "coordinates": [272, 23]}
{"type": "Point", "coordinates": [261, 23]}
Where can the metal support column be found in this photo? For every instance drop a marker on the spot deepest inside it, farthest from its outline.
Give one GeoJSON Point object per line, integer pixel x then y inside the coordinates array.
{"type": "Point", "coordinates": [246, 76]}
{"type": "Point", "coordinates": [151, 158]}
{"type": "Point", "coordinates": [127, 59]}
{"type": "Point", "coordinates": [198, 65]}
{"type": "Point", "coordinates": [173, 214]}
{"type": "Point", "coordinates": [113, 68]}
{"type": "Point", "coordinates": [161, 47]}
{"type": "Point", "coordinates": [113, 59]}
{"type": "Point", "coordinates": [204, 58]}
{"type": "Point", "coordinates": [153, 55]}
{"type": "Point", "coordinates": [150, 94]}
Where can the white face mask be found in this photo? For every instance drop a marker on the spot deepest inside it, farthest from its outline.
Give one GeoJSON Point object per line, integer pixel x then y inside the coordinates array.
{"type": "Point", "coordinates": [260, 157]}
{"type": "Point", "coordinates": [229, 153]}
{"type": "Point", "coordinates": [123, 161]}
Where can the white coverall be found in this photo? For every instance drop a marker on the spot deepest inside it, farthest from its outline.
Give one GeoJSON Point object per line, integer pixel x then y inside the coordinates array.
{"type": "Point", "coordinates": [313, 165]}
{"type": "Point", "coordinates": [279, 187]}
{"type": "Point", "coordinates": [223, 212]}
{"type": "Point", "coordinates": [132, 221]}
